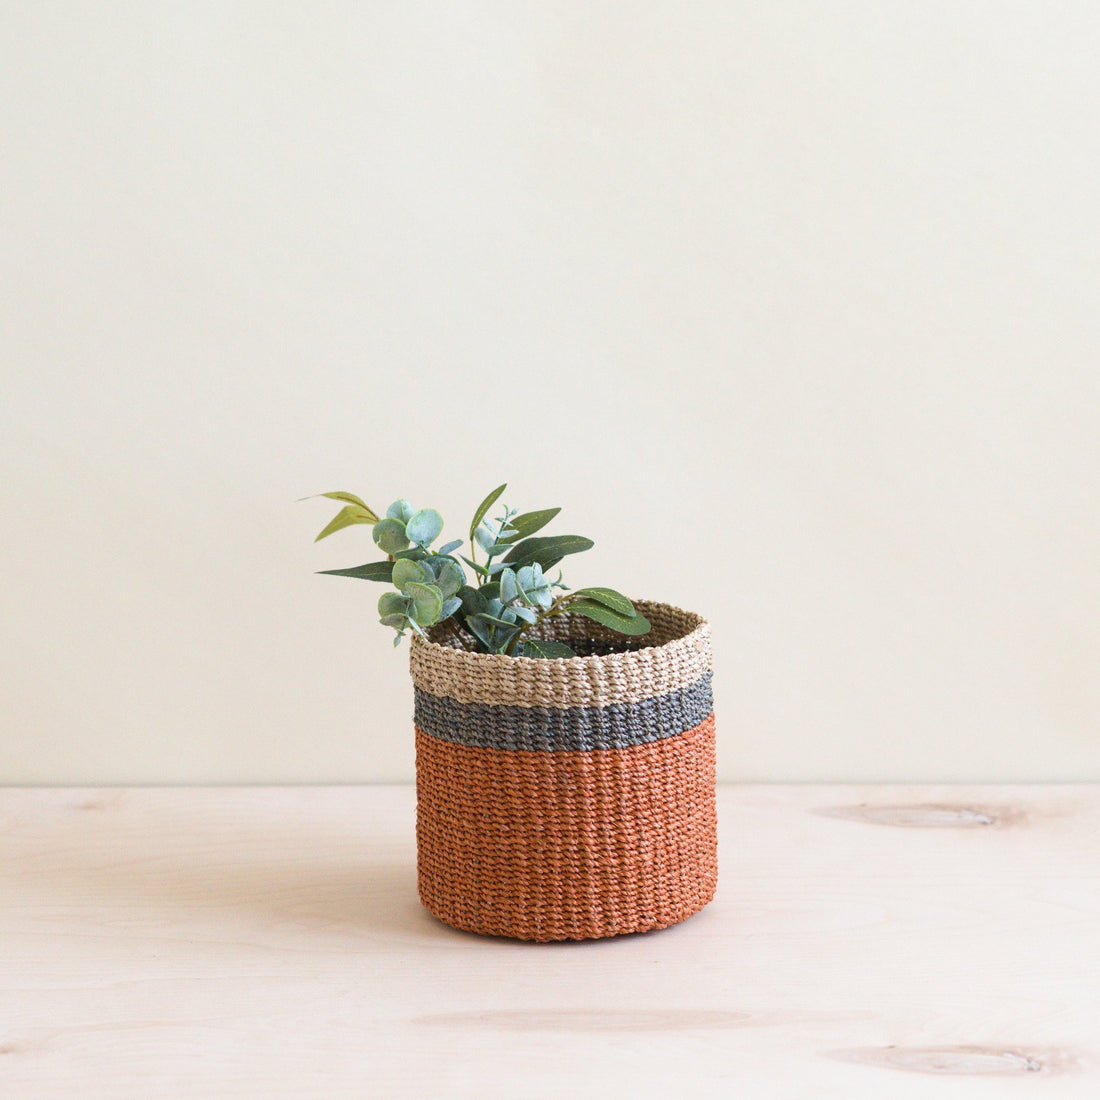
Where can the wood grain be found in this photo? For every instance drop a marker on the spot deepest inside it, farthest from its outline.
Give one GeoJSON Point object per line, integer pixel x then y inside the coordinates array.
{"type": "Point", "coordinates": [267, 942]}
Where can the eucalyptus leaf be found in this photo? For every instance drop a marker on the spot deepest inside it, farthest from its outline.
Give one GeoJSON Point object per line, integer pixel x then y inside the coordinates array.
{"type": "Point", "coordinates": [450, 548]}
{"type": "Point", "coordinates": [540, 596]}
{"type": "Point", "coordinates": [545, 647]}
{"type": "Point", "coordinates": [390, 535]}
{"type": "Point", "coordinates": [407, 571]}
{"type": "Point", "coordinates": [546, 550]}
{"type": "Point", "coordinates": [484, 615]}
{"type": "Point", "coordinates": [479, 569]}
{"type": "Point", "coordinates": [393, 603]}
{"type": "Point", "coordinates": [449, 578]}
{"type": "Point", "coordinates": [397, 621]}
{"type": "Point", "coordinates": [372, 571]}
{"type": "Point", "coordinates": [482, 631]}
{"type": "Point", "coordinates": [598, 612]}
{"type": "Point", "coordinates": [472, 599]}
{"type": "Point", "coordinates": [525, 613]}
{"type": "Point", "coordinates": [609, 598]}
{"type": "Point", "coordinates": [402, 510]}
{"type": "Point", "coordinates": [491, 591]}
{"type": "Point", "coordinates": [527, 524]}
{"type": "Point", "coordinates": [509, 585]}
{"type": "Point", "coordinates": [347, 516]}
{"type": "Point", "coordinates": [485, 536]}
{"type": "Point", "coordinates": [450, 606]}
{"type": "Point", "coordinates": [484, 507]}
{"type": "Point", "coordinates": [533, 587]}
{"type": "Point", "coordinates": [424, 526]}
{"type": "Point", "coordinates": [427, 603]}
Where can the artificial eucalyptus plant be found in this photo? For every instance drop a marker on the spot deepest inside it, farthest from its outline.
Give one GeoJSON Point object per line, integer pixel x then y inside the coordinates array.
{"type": "Point", "coordinates": [508, 597]}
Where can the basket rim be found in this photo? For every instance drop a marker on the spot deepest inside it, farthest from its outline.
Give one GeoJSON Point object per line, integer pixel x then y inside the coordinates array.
{"type": "Point", "coordinates": [699, 630]}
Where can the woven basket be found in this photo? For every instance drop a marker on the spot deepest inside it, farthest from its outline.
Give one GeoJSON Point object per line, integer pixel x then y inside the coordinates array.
{"type": "Point", "coordinates": [568, 799]}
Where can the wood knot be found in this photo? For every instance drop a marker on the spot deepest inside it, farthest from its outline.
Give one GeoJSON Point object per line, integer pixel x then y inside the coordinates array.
{"type": "Point", "coordinates": [958, 1060]}
{"type": "Point", "coordinates": [928, 815]}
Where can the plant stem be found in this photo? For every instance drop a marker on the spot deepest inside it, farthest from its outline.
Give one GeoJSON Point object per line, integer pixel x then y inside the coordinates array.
{"type": "Point", "coordinates": [453, 628]}
{"type": "Point", "coordinates": [558, 607]}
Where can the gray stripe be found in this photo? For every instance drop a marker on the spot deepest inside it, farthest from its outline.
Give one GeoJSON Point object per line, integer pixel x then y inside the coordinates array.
{"type": "Point", "coordinates": [573, 729]}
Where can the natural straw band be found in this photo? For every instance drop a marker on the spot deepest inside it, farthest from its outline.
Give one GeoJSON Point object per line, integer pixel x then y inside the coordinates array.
{"type": "Point", "coordinates": [675, 654]}
{"type": "Point", "coordinates": [564, 729]}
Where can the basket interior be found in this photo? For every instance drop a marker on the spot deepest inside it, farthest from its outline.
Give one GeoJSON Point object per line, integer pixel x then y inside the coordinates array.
{"type": "Point", "coordinates": [590, 639]}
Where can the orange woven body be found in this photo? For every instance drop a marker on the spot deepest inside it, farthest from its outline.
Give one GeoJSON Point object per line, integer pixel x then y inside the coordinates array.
{"type": "Point", "coordinates": [567, 845]}
{"type": "Point", "coordinates": [527, 827]}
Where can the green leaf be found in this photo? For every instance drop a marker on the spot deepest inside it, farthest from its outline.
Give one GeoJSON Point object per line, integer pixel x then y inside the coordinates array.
{"type": "Point", "coordinates": [479, 569]}
{"type": "Point", "coordinates": [406, 571]}
{"type": "Point", "coordinates": [450, 578]}
{"type": "Point", "coordinates": [481, 631]}
{"type": "Point", "coordinates": [390, 535]}
{"type": "Point", "coordinates": [417, 553]}
{"type": "Point", "coordinates": [347, 498]}
{"type": "Point", "coordinates": [472, 600]}
{"type": "Point", "coordinates": [609, 598]}
{"type": "Point", "coordinates": [527, 524]}
{"type": "Point", "coordinates": [509, 588]}
{"type": "Point", "coordinates": [491, 591]}
{"type": "Point", "coordinates": [590, 609]}
{"type": "Point", "coordinates": [545, 647]}
{"type": "Point", "coordinates": [424, 526]}
{"type": "Point", "coordinates": [402, 510]}
{"type": "Point", "coordinates": [450, 548]}
{"type": "Point", "coordinates": [348, 515]}
{"type": "Point", "coordinates": [493, 619]}
{"type": "Point", "coordinates": [392, 603]}
{"type": "Point", "coordinates": [427, 603]}
{"type": "Point", "coordinates": [372, 571]}
{"type": "Point", "coordinates": [547, 551]}
{"type": "Point", "coordinates": [484, 507]}
{"type": "Point", "coordinates": [397, 621]}
{"type": "Point", "coordinates": [450, 607]}
{"type": "Point", "coordinates": [486, 535]}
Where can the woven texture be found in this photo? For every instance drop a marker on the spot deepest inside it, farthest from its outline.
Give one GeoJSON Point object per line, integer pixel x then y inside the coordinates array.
{"type": "Point", "coordinates": [568, 799]}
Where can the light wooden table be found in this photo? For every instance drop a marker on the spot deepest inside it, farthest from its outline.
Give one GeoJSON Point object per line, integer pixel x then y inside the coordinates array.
{"type": "Point", "coordinates": [267, 942]}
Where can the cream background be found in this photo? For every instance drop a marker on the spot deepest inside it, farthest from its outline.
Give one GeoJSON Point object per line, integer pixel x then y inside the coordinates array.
{"type": "Point", "coordinates": [793, 307]}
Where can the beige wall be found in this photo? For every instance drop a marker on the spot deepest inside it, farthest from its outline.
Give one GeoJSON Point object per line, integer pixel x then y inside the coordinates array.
{"type": "Point", "coordinates": [793, 307]}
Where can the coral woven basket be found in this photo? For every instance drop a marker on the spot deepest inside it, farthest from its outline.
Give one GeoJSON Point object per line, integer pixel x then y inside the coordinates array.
{"type": "Point", "coordinates": [568, 799]}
